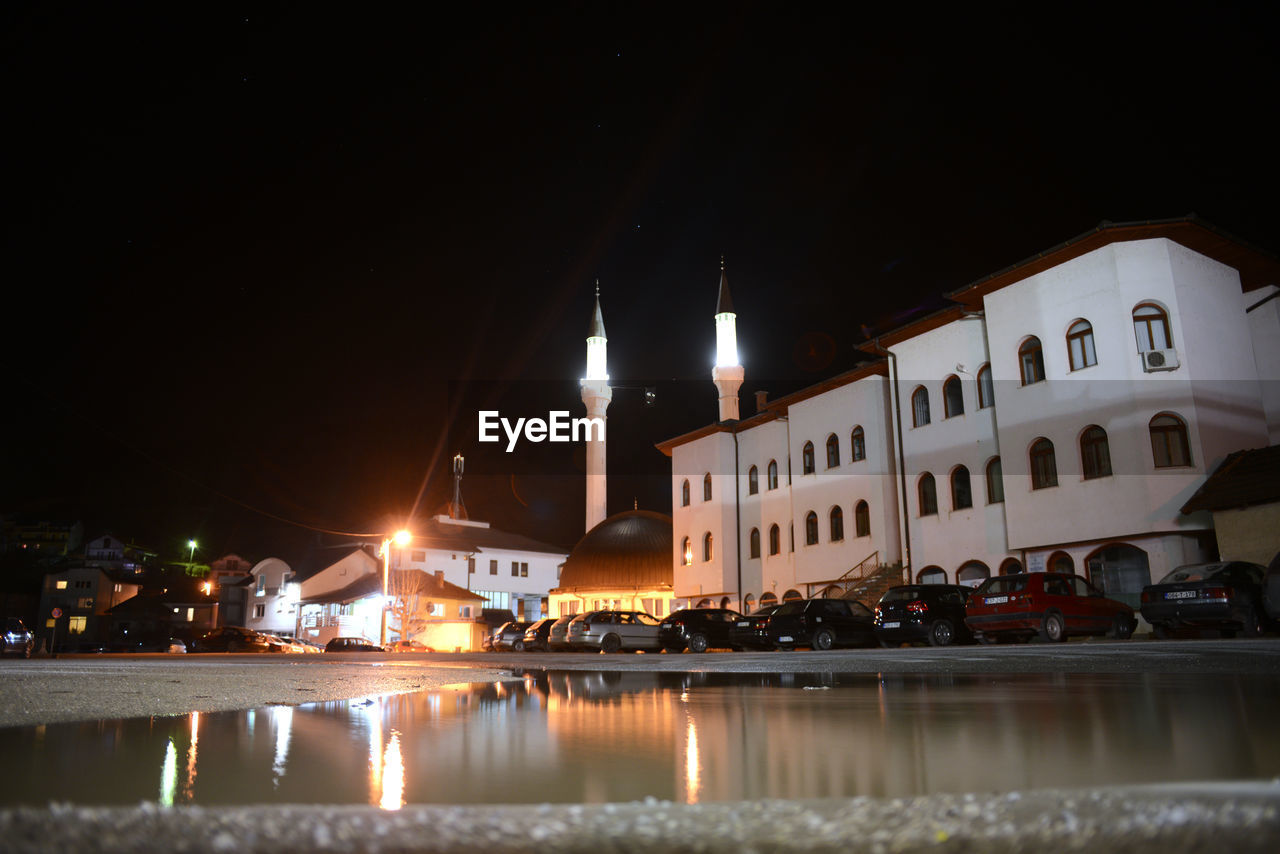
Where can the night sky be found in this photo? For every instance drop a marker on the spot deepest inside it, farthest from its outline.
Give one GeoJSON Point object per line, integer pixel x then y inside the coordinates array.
{"type": "Point", "coordinates": [263, 264]}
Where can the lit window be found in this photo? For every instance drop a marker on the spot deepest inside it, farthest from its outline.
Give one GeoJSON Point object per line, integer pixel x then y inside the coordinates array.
{"type": "Point", "coordinates": [1080, 345]}
{"type": "Point", "coordinates": [920, 407]}
{"type": "Point", "coordinates": [806, 459]}
{"type": "Point", "coordinates": [1044, 466]}
{"type": "Point", "coordinates": [1151, 327]}
{"type": "Point", "coordinates": [859, 442]}
{"type": "Point", "coordinates": [1095, 453]}
{"type": "Point", "coordinates": [952, 398]}
{"type": "Point", "coordinates": [811, 529]}
{"type": "Point", "coordinates": [927, 492]}
{"type": "Point", "coordinates": [61, 585]}
{"type": "Point", "coordinates": [76, 625]}
{"type": "Point", "coordinates": [1031, 361]}
{"type": "Point", "coordinates": [686, 552]}
{"type": "Point", "coordinates": [961, 493]}
{"type": "Point", "coordinates": [1169, 443]}
{"type": "Point", "coordinates": [833, 451]}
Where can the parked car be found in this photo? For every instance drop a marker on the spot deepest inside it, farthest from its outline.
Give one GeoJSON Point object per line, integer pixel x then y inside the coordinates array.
{"type": "Point", "coordinates": [1048, 604]}
{"type": "Point", "coordinates": [510, 636]}
{"type": "Point", "coordinates": [1271, 589]}
{"type": "Point", "coordinates": [573, 635]}
{"type": "Point", "coordinates": [288, 643]}
{"type": "Point", "coordinates": [558, 637]}
{"type": "Point", "coordinates": [17, 639]}
{"type": "Point", "coordinates": [1226, 596]}
{"type": "Point", "coordinates": [615, 631]}
{"type": "Point", "coordinates": [697, 629]}
{"type": "Point", "coordinates": [352, 645]}
{"type": "Point", "coordinates": [751, 630]}
{"type": "Point", "coordinates": [821, 624]}
{"type": "Point", "coordinates": [237, 639]}
{"type": "Point", "coordinates": [537, 636]}
{"type": "Point", "coordinates": [929, 613]}
{"type": "Point", "coordinates": [409, 646]}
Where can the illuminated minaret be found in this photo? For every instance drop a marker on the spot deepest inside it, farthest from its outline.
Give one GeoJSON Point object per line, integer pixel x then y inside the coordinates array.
{"type": "Point", "coordinates": [727, 373]}
{"type": "Point", "coordinates": [596, 394]}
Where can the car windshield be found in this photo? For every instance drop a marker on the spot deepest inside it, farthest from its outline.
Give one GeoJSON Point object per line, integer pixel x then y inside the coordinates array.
{"type": "Point", "coordinates": [790, 608]}
{"type": "Point", "coordinates": [902, 594]}
{"type": "Point", "coordinates": [1193, 573]}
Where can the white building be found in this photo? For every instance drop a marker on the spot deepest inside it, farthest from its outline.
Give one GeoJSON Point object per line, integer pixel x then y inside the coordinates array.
{"type": "Point", "coordinates": [273, 598]}
{"type": "Point", "coordinates": [1058, 416]}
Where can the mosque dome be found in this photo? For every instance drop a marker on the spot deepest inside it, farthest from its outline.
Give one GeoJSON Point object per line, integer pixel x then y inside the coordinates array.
{"type": "Point", "coordinates": [627, 550]}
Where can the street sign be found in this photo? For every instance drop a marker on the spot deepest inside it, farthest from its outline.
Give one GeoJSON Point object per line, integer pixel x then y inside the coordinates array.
{"type": "Point", "coordinates": [56, 613]}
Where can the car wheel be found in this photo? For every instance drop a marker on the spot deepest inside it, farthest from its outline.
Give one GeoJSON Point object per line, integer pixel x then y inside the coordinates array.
{"type": "Point", "coordinates": [1123, 628]}
{"type": "Point", "coordinates": [610, 644]}
{"type": "Point", "coordinates": [518, 646]}
{"type": "Point", "coordinates": [1251, 628]}
{"type": "Point", "coordinates": [697, 642]}
{"type": "Point", "coordinates": [942, 633]}
{"type": "Point", "coordinates": [1054, 628]}
{"type": "Point", "coordinates": [823, 639]}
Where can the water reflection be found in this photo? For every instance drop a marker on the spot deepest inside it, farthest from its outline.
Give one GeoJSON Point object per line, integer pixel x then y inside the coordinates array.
{"type": "Point", "coordinates": [597, 737]}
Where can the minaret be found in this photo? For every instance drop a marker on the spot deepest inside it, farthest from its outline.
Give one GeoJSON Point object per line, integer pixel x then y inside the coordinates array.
{"type": "Point", "coordinates": [727, 373]}
{"type": "Point", "coordinates": [596, 394]}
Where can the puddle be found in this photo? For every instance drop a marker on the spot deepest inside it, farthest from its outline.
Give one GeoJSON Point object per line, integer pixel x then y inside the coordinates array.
{"type": "Point", "coordinates": [561, 737]}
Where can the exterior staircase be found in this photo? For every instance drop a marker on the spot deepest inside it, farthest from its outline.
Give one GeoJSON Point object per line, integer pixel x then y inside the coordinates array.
{"type": "Point", "coordinates": [870, 588]}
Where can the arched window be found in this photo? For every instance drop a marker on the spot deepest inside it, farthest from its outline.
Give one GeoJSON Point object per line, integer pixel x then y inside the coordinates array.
{"type": "Point", "coordinates": [806, 459]}
{"type": "Point", "coordinates": [1061, 562]}
{"type": "Point", "coordinates": [919, 407]}
{"type": "Point", "coordinates": [1010, 566]}
{"type": "Point", "coordinates": [1151, 327]}
{"type": "Point", "coordinates": [932, 575]}
{"type": "Point", "coordinates": [811, 529]}
{"type": "Point", "coordinates": [748, 604]}
{"type": "Point", "coordinates": [684, 493]}
{"type": "Point", "coordinates": [791, 537]}
{"type": "Point", "coordinates": [768, 600]}
{"type": "Point", "coordinates": [837, 524]}
{"type": "Point", "coordinates": [775, 540]}
{"type": "Point", "coordinates": [725, 602]}
{"type": "Point", "coordinates": [1031, 361]}
{"type": "Point", "coordinates": [1044, 466]}
{"type": "Point", "coordinates": [952, 397]}
{"type": "Point", "coordinates": [833, 451]}
{"type": "Point", "coordinates": [706, 487]}
{"type": "Point", "coordinates": [961, 492]}
{"type": "Point", "coordinates": [773, 474]}
{"type": "Point", "coordinates": [792, 596]}
{"type": "Point", "coordinates": [928, 494]}
{"type": "Point", "coordinates": [995, 482]}
{"type": "Point", "coordinates": [755, 542]}
{"type": "Point", "coordinates": [986, 389]}
{"type": "Point", "coordinates": [859, 443]}
{"type": "Point", "coordinates": [686, 552]}
{"type": "Point", "coordinates": [706, 546]}
{"type": "Point", "coordinates": [1169, 443]}
{"type": "Point", "coordinates": [1080, 345]}
{"type": "Point", "coordinates": [753, 480]}
{"type": "Point", "coordinates": [1095, 453]}
{"type": "Point", "coordinates": [862, 519]}
{"type": "Point", "coordinates": [972, 573]}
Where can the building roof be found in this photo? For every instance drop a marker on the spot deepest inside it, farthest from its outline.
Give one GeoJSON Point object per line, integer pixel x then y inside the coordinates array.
{"type": "Point", "coordinates": [443, 535]}
{"type": "Point", "coordinates": [1244, 479]}
{"type": "Point", "coordinates": [371, 584]}
{"type": "Point", "coordinates": [630, 550]}
{"type": "Point", "coordinates": [596, 329]}
{"type": "Point", "coordinates": [724, 303]}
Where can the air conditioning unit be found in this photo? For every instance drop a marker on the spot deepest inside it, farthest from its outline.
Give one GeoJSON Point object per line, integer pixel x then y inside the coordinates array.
{"type": "Point", "coordinates": [1160, 360]}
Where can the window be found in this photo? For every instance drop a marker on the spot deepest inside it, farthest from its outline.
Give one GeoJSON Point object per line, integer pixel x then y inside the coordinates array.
{"type": "Point", "coordinates": [1044, 467]}
{"type": "Point", "coordinates": [920, 407]}
{"type": "Point", "coordinates": [259, 611]}
{"type": "Point", "coordinates": [417, 556]}
{"type": "Point", "coordinates": [524, 570]}
{"type": "Point", "coordinates": [928, 495]}
{"type": "Point", "coordinates": [1031, 361]}
{"type": "Point", "coordinates": [755, 542]}
{"type": "Point", "coordinates": [932, 575]}
{"type": "Point", "coordinates": [775, 538]}
{"type": "Point", "coordinates": [861, 519]}
{"type": "Point", "coordinates": [753, 480]}
{"type": "Point", "coordinates": [1080, 345]}
{"type": "Point", "coordinates": [811, 529]}
{"type": "Point", "coordinates": [952, 398]}
{"type": "Point", "coordinates": [515, 569]}
{"type": "Point", "coordinates": [1062, 562]}
{"type": "Point", "coordinates": [995, 482]}
{"type": "Point", "coordinates": [261, 587]}
{"type": "Point", "coordinates": [76, 625]}
{"type": "Point", "coordinates": [768, 599]}
{"type": "Point", "coordinates": [706, 487]}
{"type": "Point", "coordinates": [986, 389]}
{"type": "Point", "coordinates": [706, 546]}
{"type": "Point", "coordinates": [833, 451]}
{"type": "Point", "coordinates": [748, 604]}
{"type": "Point", "coordinates": [806, 458]}
{"type": "Point", "coordinates": [773, 474]}
{"type": "Point", "coordinates": [686, 552]}
{"type": "Point", "coordinates": [1169, 442]}
{"type": "Point", "coordinates": [493, 567]}
{"type": "Point", "coordinates": [791, 537]}
{"type": "Point", "coordinates": [961, 492]}
{"type": "Point", "coordinates": [972, 573]}
{"type": "Point", "coordinates": [1011, 566]}
{"type": "Point", "coordinates": [1095, 454]}
{"type": "Point", "coordinates": [1151, 327]}
{"type": "Point", "coordinates": [60, 585]}
{"type": "Point", "coordinates": [858, 442]}
{"type": "Point", "coordinates": [684, 493]}
{"type": "Point", "coordinates": [837, 524]}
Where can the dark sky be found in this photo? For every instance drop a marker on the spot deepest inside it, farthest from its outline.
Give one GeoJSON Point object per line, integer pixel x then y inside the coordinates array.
{"type": "Point", "coordinates": [267, 258]}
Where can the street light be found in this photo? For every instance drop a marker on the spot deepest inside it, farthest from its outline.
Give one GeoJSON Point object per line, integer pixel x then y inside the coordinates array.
{"type": "Point", "coordinates": [400, 538]}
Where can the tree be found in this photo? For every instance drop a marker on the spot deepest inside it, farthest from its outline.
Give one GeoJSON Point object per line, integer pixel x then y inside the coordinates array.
{"type": "Point", "coordinates": [409, 594]}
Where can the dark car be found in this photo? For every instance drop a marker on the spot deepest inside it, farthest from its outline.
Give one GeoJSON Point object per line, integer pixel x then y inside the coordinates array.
{"type": "Point", "coordinates": [1226, 596]}
{"type": "Point", "coordinates": [510, 636]}
{"type": "Point", "coordinates": [352, 645]}
{"type": "Point", "coordinates": [749, 631]}
{"type": "Point", "coordinates": [17, 640]}
{"type": "Point", "coordinates": [1271, 589]}
{"type": "Point", "coordinates": [237, 639]}
{"type": "Point", "coordinates": [1050, 605]}
{"type": "Point", "coordinates": [821, 624]}
{"type": "Point", "coordinates": [929, 613]}
{"type": "Point", "coordinates": [537, 636]}
{"type": "Point", "coordinates": [697, 629]}
{"type": "Point", "coordinates": [558, 637]}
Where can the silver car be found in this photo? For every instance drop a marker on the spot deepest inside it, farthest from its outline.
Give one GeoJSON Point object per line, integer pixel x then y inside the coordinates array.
{"type": "Point", "coordinates": [614, 631]}
{"type": "Point", "coordinates": [558, 638]}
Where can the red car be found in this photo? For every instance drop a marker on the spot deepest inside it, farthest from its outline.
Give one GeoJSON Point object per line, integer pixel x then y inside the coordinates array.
{"type": "Point", "coordinates": [1048, 604]}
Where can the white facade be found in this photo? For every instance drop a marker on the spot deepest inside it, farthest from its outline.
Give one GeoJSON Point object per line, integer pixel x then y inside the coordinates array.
{"type": "Point", "coordinates": [272, 598]}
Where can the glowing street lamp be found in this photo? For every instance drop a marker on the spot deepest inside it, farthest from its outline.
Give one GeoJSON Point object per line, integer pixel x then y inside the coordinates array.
{"type": "Point", "coordinates": [191, 558]}
{"type": "Point", "coordinates": [401, 538]}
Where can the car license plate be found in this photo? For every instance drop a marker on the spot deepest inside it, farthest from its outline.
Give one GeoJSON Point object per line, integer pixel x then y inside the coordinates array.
{"type": "Point", "coordinates": [665, 626]}
{"type": "Point", "coordinates": [995, 600]}
{"type": "Point", "coordinates": [1180, 594]}
{"type": "Point", "coordinates": [893, 625]}
{"type": "Point", "coordinates": [786, 639]}
{"type": "Point", "coordinates": [743, 624]}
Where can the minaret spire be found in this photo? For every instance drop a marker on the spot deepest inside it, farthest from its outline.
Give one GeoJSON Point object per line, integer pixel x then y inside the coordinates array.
{"type": "Point", "coordinates": [596, 395]}
{"type": "Point", "coordinates": [727, 373]}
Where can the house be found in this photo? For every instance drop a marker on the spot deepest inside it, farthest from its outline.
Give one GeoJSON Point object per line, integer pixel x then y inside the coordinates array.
{"type": "Point", "coordinates": [271, 597]}
{"type": "Point", "coordinates": [340, 595]}
{"type": "Point", "coordinates": [149, 619]}
{"type": "Point", "coordinates": [75, 605]}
